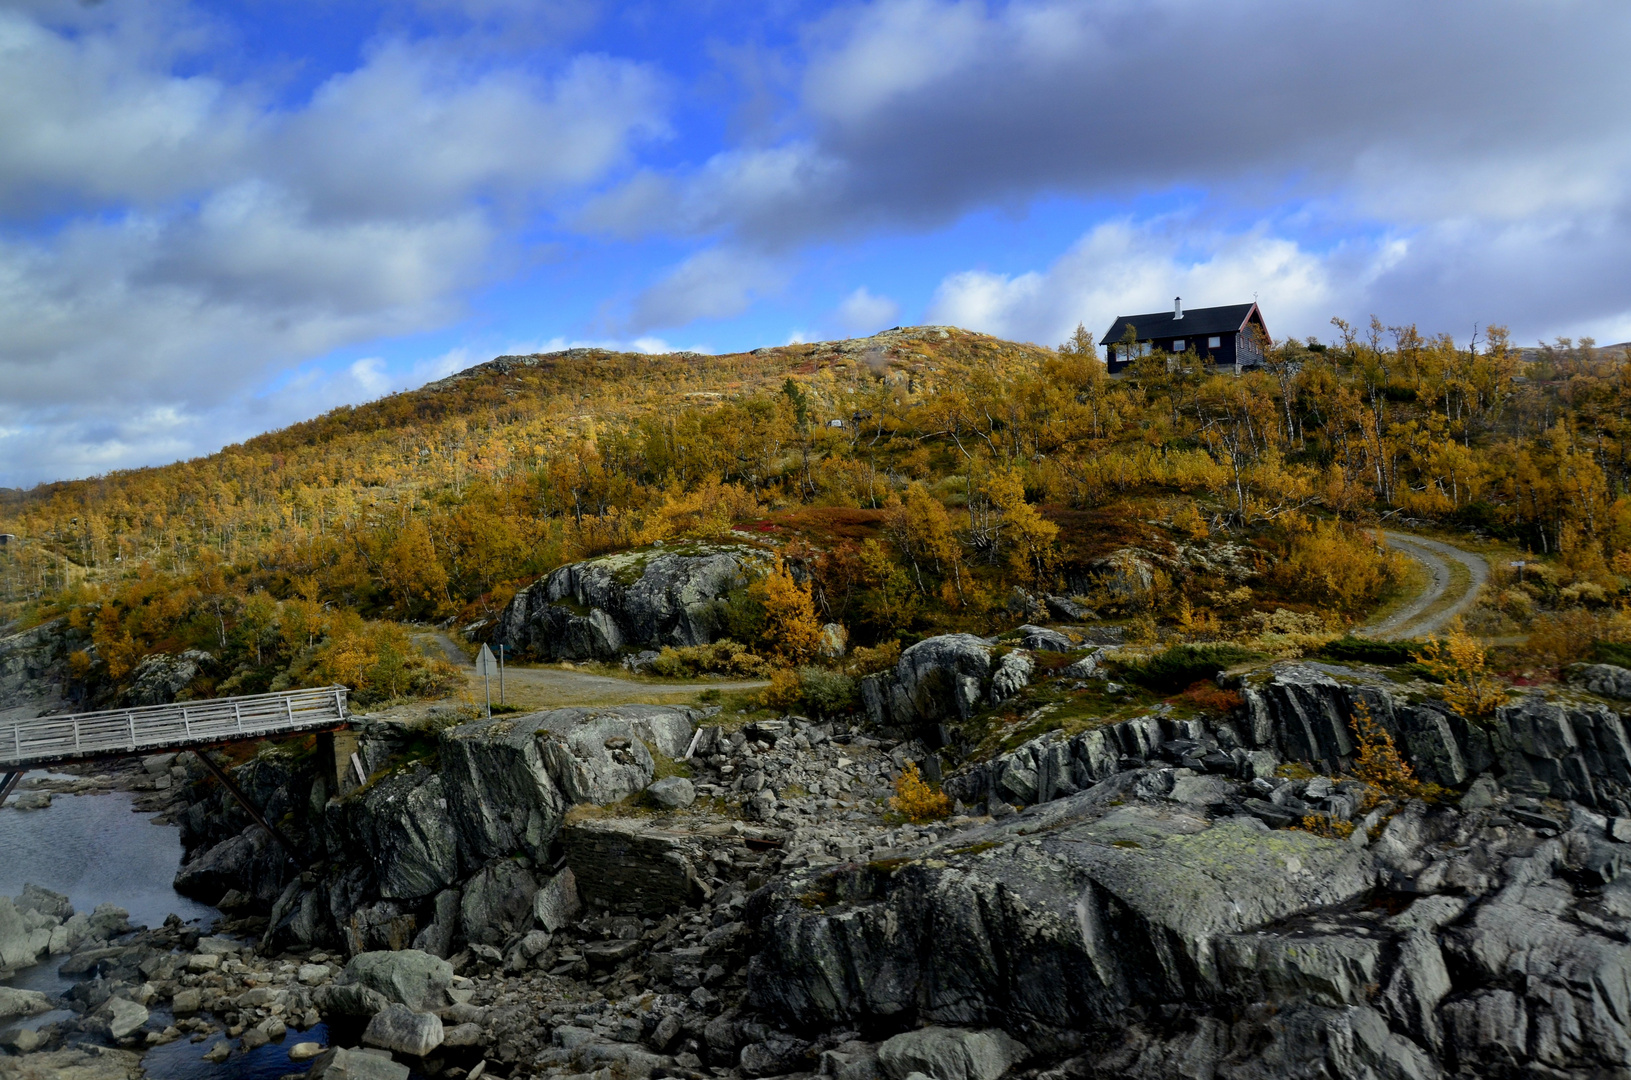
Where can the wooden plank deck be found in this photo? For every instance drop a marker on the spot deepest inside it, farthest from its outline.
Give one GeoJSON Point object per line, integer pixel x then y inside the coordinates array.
{"type": "Point", "coordinates": [49, 740]}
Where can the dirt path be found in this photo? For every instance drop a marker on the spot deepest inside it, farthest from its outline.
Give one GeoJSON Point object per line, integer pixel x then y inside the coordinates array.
{"type": "Point", "coordinates": [550, 687]}
{"type": "Point", "coordinates": [1454, 578]}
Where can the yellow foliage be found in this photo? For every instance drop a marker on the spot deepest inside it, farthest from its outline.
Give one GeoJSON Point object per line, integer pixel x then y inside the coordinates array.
{"type": "Point", "coordinates": [1459, 662]}
{"type": "Point", "coordinates": [1381, 766]}
{"type": "Point", "coordinates": [1339, 566]}
{"type": "Point", "coordinates": [791, 628]}
{"type": "Point", "coordinates": [784, 690]}
{"type": "Point", "coordinates": [915, 800]}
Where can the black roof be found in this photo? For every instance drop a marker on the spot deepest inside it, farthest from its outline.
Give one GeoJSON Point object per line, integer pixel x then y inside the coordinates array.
{"type": "Point", "coordinates": [1197, 322]}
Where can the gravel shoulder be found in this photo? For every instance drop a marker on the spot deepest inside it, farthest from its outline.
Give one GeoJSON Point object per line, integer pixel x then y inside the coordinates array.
{"type": "Point", "coordinates": [1455, 577]}
{"type": "Point", "coordinates": [552, 687]}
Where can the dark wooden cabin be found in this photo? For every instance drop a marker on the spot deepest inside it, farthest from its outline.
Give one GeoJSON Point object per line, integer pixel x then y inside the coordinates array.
{"type": "Point", "coordinates": [1228, 336]}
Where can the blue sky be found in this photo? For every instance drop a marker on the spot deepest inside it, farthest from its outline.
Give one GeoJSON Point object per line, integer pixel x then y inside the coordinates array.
{"type": "Point", "coordinates": [219, 219]}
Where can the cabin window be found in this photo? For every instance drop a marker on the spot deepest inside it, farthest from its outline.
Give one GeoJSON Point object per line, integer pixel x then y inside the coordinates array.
{"type": "Point", "coordinates": [1178, 345]}
{"type": "Point", "coordinates": [1214, 342]}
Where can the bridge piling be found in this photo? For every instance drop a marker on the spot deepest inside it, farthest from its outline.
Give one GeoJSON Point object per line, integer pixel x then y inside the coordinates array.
{"type": "Point", "coordinates": [8, 782]}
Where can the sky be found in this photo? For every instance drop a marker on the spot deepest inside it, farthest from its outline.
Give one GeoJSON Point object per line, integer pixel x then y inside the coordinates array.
{"type": "Point", "coordinates": [217, 220]}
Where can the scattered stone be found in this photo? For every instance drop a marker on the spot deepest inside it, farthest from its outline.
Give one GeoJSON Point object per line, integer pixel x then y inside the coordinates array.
{"type": "Point", "coordinates": [304, 1051]}
{"type": "Point", "coordinates": [401, 1029]}
{"type": "Point", "coordinates": [673, 793]}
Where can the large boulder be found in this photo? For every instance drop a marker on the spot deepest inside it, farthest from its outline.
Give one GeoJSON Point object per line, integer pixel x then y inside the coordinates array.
{"type": "Point", "coordinates": [498, 903]}
{"type": "Point", "coordinates": [251, 862]}
{"type": "Point", "coordinates": [627, 865]}
{"type": "Point", "coordinates": [404, 1031]}
{"type": "Point", "coordinates": [938, 679]}
{"type": "Point", "coordinates": [649, 598]}
{"type": "Point", "coordinates": [409, 977]}
{"type": "Point", "coordinates": [14, 1003]}
{"type": "Point", "coordinates": [950, 1054]}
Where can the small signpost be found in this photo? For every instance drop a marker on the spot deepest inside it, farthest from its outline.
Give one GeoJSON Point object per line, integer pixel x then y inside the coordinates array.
{"type": "Point", "coordinates": [485, 666]}
{"type": "Point", "coordinates": [1518, 566]}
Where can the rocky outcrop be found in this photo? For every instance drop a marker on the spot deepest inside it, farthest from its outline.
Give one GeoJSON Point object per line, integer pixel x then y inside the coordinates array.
{"type": "Point", "coordinates": [160, 678]}
{"type": "Point", "coordinates": [41, 923]}
{"type": "Point", "coordinates": [938, 679]}
{"type": "Point", "coordinates": [593, 610]}
{"type": "Point", "coordinates": [34, 676]}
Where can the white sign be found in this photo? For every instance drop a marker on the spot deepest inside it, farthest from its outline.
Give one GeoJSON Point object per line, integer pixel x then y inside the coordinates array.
{"type": "Point", "coordinates": [486, 663]}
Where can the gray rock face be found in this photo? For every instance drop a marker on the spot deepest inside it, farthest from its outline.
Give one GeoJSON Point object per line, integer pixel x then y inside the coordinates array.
{"type": "Point", "coordinates": [159, 678]}
{"type": "Point", "coordinates": [498, 903]}
{"type": "Point", "coordinates": [642, 599]}
{"type": "Point", "coordinates": [556, 903]}
{"type": "Point", "coordinates": [34, 674]}
{"type": "Point", "coordinates": [500, 797]}
{"type": "Point", "coordinates": [939, 678]}
{"type": "Point", "coordinates": [410, 977]}
{"type": "Point", "coordinates": [1051, 933]}
{"type": "Point", "coordinates": [251, 862]}
{"type": "Point", "coordinates": [1013, 674]}
{"type": "Point", "coordinates": [950, 1054]}
{"type": "Point", "coordinates": [404, 1031]}
{"type": "Point", "coordinates": [1040, 637]}
{"type": "Point", "coordinates": [597, 760]}
{"type": "Point", "coordinates": [403, 823]}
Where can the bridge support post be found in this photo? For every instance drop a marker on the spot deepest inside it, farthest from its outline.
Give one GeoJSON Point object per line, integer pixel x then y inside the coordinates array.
{"type": "Point", "coordinates": [243, 801]}
{"type": "Point", "coordinates": [334, 751]}
{"type": "Point", "coordinates": [8, 782]}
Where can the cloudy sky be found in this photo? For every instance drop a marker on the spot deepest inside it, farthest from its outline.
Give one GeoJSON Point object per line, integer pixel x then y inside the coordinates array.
{"type": "Point", "coordinates": [219, 219]}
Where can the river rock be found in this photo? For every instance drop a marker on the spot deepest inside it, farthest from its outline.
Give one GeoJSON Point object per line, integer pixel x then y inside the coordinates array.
{"type": "Point", "coordinates": [124, 1017]}
{"type": "Point", "coordinates": [410, 977]}
{"type": "Point", "coordinates": [16, 942]}
{"type": "Point", "coordinates": [342, 1064]}
{"type": "Point", "coordinates": [648, 598]}
{"type": "Point", "coordinates": [950, 1054]}
{"type": "Point", "coordinates": [80, 1062]}
{"type": "Point", "coordinates": [14, 1002]}
{"type": "Point", "coordinates": [53, 905]}
{"type": "Point", "coordinates": [401, 1029]}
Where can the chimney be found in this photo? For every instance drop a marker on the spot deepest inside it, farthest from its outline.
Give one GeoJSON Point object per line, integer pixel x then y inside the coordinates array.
{"type": "Point", "coordinates": [1177, 307]}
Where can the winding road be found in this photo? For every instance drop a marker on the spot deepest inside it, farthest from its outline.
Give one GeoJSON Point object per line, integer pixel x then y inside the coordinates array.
{"type": "Point", "coordinates": [1454, 579]}
{"type": "Point", "coordinates": [552, 687]}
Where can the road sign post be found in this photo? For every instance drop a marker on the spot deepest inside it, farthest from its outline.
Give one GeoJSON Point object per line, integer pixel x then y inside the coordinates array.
{"type": "Point", "coordinates": [484, 667]}
{"type": "Point", "coordinates": [501, 674]}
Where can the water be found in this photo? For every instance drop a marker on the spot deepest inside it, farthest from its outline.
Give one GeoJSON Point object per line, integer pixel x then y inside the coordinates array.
{"type": "Point", "coordinates": [97, 850]}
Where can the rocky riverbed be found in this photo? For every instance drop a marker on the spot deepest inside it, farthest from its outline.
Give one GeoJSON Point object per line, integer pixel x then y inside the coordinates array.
{"type": "Point", "coordinates": [645, 892]}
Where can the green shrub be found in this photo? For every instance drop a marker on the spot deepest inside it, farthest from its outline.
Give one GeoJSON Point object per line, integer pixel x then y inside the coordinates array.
{"type": "Point", "coordinates": [826, 692]}
{"type": "Point", "coordinates": [1617, 653]}
{"type": "Point", "coordinates": [1184, 665]}
{"type": "Point", "coordinates": [1366, 651]}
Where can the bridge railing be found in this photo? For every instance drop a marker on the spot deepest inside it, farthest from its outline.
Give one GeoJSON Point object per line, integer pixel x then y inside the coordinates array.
{"type": "Point", "coordinates": [155, 727]}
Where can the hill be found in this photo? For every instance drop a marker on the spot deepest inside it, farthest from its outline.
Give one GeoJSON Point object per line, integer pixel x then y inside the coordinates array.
{"type": "Point", "coordinates": [916, 478]}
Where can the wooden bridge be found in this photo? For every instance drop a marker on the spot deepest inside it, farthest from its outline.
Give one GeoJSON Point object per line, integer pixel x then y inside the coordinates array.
{"type": "Point", "coordinates": [151, 729]}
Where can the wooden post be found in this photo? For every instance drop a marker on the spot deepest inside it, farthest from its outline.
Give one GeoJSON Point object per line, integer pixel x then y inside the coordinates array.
{"type": "Point", "coordinates": [8, 783]}
{"type": "Point", "coordinates": [243, 800]}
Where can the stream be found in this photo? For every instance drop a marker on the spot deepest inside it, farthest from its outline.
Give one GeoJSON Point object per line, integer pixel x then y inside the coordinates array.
{"type": "Point", "coordinates": [96, 849]}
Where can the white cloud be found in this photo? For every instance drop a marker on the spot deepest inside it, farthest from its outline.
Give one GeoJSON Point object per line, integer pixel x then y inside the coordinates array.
{"type": "Point", "coordinates": [172, 242]}
{"type": "Point", "coordinates": [862, 313]}
{"type": "Point", "coordinates": [1122, 269]}
{"type": "Point", "coordinates": [713, 284]}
